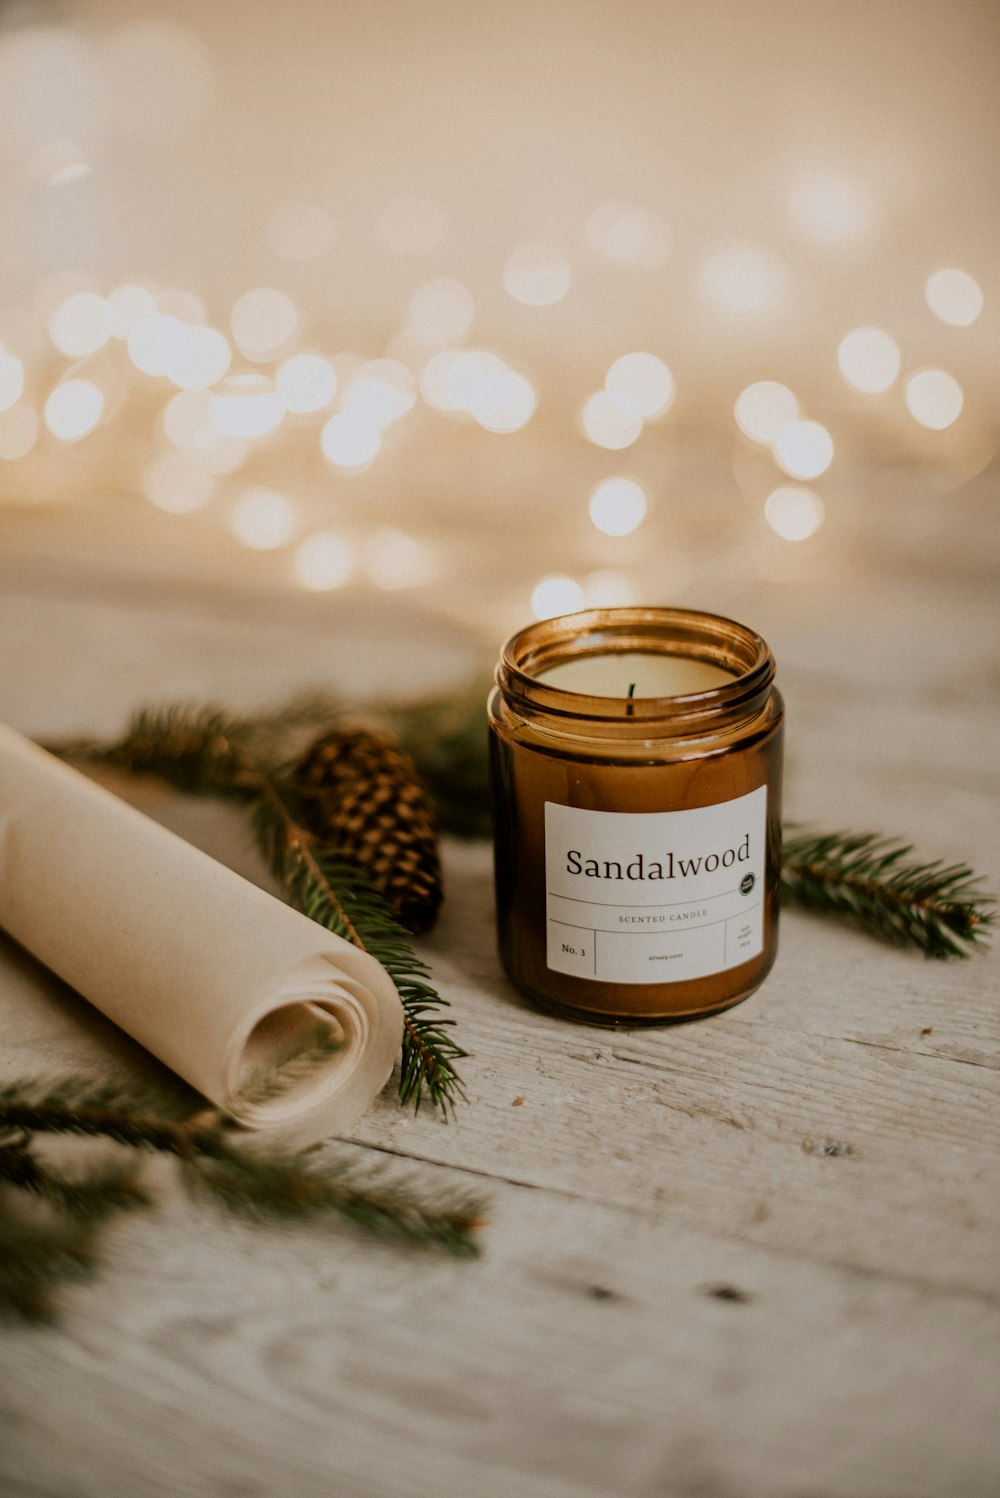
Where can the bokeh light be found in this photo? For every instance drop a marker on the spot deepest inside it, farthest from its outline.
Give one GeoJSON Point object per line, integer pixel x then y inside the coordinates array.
{"type": "Point", "coordinates": [381, 392]}
{"type": "Point", "coordinates": [11, 379]}
{"type": "Point", "coordinates": [804, 449]}
{"type": "Point", "coordinates": [507, 405]}
{"type": "Point", "coordinates": [641, 383]}
{"type": "Point", "coordinates": [954, 296]}
{"type": "Point", "coordinates": [18, 432]}
{"type": "Point", "coordinates": [246, 405]}
{"type": "Point", "coordinates": [263, 519]}
{"type": "Point", "coordinates": [436, 384]}
{"type": "Point", "coordinates": [628, 234]}
{"type": "Point", "coordinates": [556, 595]}
{"type": "Point", "coordinates": [831, 210]}
{"type": "Point", "coordinates": [203, 357]}
{"type": "Point", "coordinates": [157, 343]}
{"type": "Point", "coordinates": [82, 324]}
{"type": "Point", "coordinates": [187, 420]}
{"type": "Point", "coordinates": [934, 398]}
{"type": "Point", "coordinates": [606, 423]}
{"type": "Point", "coordinates": [301, 231]}
{"type": "Point", "coordinates": [413, 225]}
{"type": "Point", "coordinates": [869, 360]}
{"type": "Point", "coordinates": [74, 409]}
{"type": "Point", "coordinates": [441, 311]}
{"type": "Point", "coordinates": [262, 321]}
{"type": "Point", "coordinates": [744, 281]}
{"type": "Point", "coordinates": [177, 482]}
{"type": "Point", "coordinates": [537, 274]}
{"type": "Point", "coordinates": [351, 440]}
{"type": "Point", "coordinates": [793, 512]}
{"type": "Point", "coordinates": [129, 305]}
{"type": "Point", "coordinates": [607, 588]}
{"type": "Point", "coordinates": [324, 560]}
{"type": "Point", "coordinates": [764, 409]}
{"type": "Point", "coordinates": [618, 506]}
{"type": "Point", "coordinates": [306, 382]}
{"type": "Point", "coordinates": [393, 559]}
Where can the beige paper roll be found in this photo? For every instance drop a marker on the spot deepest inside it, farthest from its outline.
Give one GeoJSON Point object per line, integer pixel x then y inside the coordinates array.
{"type": "Point", "coordinates": [204, 969]}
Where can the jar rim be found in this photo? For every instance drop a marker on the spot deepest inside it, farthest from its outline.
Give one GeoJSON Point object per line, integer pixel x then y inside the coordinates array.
{"type": "Point", "coordinates": [691, 633]}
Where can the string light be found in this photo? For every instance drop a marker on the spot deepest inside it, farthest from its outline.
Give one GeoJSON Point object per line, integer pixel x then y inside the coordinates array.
{"type": "Point", "coordinates": [441, 311]}
{"type": "Point", "coordinates": [176, 482]}
{"type": "Point", "coordinates": [74, 409]}
{"type": "Point", "coordinates": [382, 391]}
{"type": "Point", "coordinates": [11, 379]}
{"type": "Point", "coordinates": [556, 595]}
{"type": "Point", "coordinates": [618, 506]}
{"type": "Point", "coordinates": [744, 281]}
{"type": "Point", "coordinates": [157, 343]}
{"type": "Point", "coordinates": [641, 384]}
{"type": "Point", "coordinates": [203, 356]}
{"type": "Point", "coordinates": [954, 296]}
{"type": "Point", "coordinates": [187, 420]}
{"type": "Point", "coordinates": [831, 210]}
{"type": "Point", "coordinates": [263, 519]}
{"type": "Point", "coordinates": [18, 432]}
{"type": "Point", "coordinates": [262, 321]}
{"type": "Point", "coordinates": [246, 405]}
{"type": "Point", "coordinates": [934, 398]}
{"type": "Point", "coordinates": [306, 382]}
{"type": "Point", "coordinates": [794, 513]}
{"type": "Point", "coordinates": [869, 360]}
{"type": "Point", "coordinates": [764, 409]}
{"type": "Point", "coordinates": [537, 274]}
{"type": "Point", "coordinates": [129, 305]}
{"type": "Point", "coordinates": [324, 560]}
{"type": "Point", "coordinates": [608, 589]}
{"type": "Point", "coordinates": [804, 449]}
{"type": "Point", "coordinates": [82, 324]}
{"type": "Point", "coordinates": [607, 424]}
{"type": "Point", "coordinates": [394, 560]}
{"type": "Point", "coordinates": [351, 440]}
{"type": "Point", "coordinates": [627, 234]}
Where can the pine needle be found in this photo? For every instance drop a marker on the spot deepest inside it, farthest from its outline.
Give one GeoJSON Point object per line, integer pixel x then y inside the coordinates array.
{"type": "Point", "coordinates": [335, 893]}
{"type": "Point", "coordinates": [296, 1063]}
{"type": "Point", "coordinates": [940, 908]}
{"type": "Point", "coordinates": [49, 1222]}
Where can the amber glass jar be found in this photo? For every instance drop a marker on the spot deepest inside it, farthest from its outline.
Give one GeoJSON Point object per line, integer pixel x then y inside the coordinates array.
{"type": "Point", "coordinates": [637, 837]}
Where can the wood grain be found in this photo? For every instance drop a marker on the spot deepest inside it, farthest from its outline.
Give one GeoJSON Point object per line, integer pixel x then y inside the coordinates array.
{"type": "Point", "coordinates": [753, 1257]}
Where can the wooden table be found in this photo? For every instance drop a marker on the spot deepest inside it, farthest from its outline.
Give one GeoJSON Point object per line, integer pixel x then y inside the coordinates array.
{"type": "Point", "coordinates": [752, 1257]}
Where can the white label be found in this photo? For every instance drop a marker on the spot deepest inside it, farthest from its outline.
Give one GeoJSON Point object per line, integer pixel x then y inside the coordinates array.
{"type": "Point", "coordinates": [655, 897]}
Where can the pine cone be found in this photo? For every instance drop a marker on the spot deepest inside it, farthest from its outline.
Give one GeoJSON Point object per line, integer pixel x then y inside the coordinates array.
{"type": "Point", "coordinates": [362, 795]}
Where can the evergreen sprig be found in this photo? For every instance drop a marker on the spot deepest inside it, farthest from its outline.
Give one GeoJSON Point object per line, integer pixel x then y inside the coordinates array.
{"type": "Point", "coordinates": [49, 1222]}
{"type": "Point", "coordinates": [340, 897]}
{"type": "Point", "coordinates": [938, 907]}
{"type": "Point", "coordinates": [207, 751]}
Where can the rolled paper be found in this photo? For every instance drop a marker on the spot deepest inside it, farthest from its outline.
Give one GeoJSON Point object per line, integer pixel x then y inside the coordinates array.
{"type": "Point", "coordinates": [214, 976]}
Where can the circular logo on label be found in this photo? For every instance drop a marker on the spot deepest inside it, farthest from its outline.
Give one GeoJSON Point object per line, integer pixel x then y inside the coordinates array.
{"type": "Point", "coordinates": [747, 883]}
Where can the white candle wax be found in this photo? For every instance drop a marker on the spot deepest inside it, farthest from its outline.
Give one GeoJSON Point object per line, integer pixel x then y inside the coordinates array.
{"type": "Point", "coordinates": [654, 675]}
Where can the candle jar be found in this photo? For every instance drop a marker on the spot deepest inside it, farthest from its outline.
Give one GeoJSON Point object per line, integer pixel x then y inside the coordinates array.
{"type": "Point", "coordinates": [637, 838]}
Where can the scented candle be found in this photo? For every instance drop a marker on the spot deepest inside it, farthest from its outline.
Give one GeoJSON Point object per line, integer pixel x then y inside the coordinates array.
{"type": "Point", "coordinates": [636, 769]}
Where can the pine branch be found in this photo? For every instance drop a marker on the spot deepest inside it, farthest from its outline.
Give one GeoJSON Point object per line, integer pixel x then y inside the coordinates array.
{"type": "Point", "coordinates": [937, 907]}
{"type": "Point", "coordinates": [207, 751]}
{"type": "Point", "coordinates": [336, 894]}
{"type": "Point", "coordinates": [49, 1222]}
{"type": "Point", "coordinates": [38, 1253]}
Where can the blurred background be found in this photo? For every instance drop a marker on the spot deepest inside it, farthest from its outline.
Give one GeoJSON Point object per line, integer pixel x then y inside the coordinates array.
{"type": "Point", "coordinates": [508, 309]}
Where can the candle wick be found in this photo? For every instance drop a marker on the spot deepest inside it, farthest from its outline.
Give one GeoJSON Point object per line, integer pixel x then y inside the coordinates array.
{"type": "Point", "coordinates": [629, 709]}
